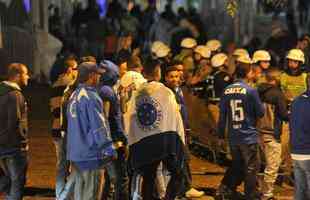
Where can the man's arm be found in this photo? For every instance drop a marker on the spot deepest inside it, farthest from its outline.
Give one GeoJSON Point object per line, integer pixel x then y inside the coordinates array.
{"type": "Point", "coordinates": [258, 105]}
{"type": "Point", "coordinates": [99, 128]}
{"type": "Point", "coordinates": [222, 119]}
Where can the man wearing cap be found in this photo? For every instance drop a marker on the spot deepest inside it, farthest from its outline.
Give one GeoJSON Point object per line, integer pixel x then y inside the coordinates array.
{"type": "Point", "coordinates": [114, 179]}
{"type": "Point", "coordinates": [89, 145]}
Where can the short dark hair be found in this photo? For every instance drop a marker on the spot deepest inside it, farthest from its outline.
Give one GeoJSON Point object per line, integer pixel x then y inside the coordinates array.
{"type": "Point", "coordinates": [14, 69]}
{"type": "Point", "coordinates": [134, 62]}
{"type": "Point", "coordinates": [88, 59]}
{"type": "Point", "coordinates": [242, 70]}
{"type": "Point", "coordinates": [171, 69]}
{"type": "Point", "coordinates": [150, 66]}
{"type": "Point", "coordinates": [273, 74]}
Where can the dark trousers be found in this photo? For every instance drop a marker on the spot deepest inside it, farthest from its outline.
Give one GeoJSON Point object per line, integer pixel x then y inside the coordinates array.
{"type": "Point", "coordinates": [148, 174]}
{"type": "Point", "coordinates": [120, 185]}
{"type": "Point", "coordinates": [14, 169]}
{"type": "Point", "coordinates": [244, 167]}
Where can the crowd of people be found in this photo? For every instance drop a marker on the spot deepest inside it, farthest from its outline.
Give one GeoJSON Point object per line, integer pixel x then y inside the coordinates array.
{"type": "Point", "coordinates": [120, 121]}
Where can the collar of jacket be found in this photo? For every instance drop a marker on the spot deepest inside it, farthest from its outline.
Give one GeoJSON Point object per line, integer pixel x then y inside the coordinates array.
{"type": "Point", "coordinates": [12, 84]}
{"type": "Point", "coordinates": [92, 88]}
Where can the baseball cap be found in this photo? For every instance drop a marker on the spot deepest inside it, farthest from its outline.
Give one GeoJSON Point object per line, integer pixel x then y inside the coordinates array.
{"type": "Point", "coordinates": [86, 68]}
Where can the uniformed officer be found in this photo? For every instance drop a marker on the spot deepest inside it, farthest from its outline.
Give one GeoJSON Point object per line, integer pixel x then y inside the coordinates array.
{"type": "Point", "coordinates": [203, 67]}
{"type": "Point", "coordinates": [217, 81]}
{"type": "Point", "coordinates": [214, 46]}
{"type": "Point", "coordinates": [261, 61]}
{"type": "Point", "coordinates": [293, 83]}
{"type": "Point", "coordinates": [186, 55]}
{"type": "Point", "coordinates": [233, 57]}
{"type": "Point", "coordinates": [161, 52]}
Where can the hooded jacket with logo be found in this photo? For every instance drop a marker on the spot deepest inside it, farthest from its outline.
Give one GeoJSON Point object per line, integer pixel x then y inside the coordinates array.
{"type": "Point", "coordinates": [13, 119]}
{"type": "Point", "coordinates": [88, 132]}
{"type": "Point", "coordinates": [276, 111]}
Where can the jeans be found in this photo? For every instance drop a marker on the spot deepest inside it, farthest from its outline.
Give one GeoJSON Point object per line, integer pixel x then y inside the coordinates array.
{"type": "Point", "coordinates": [272, 151]}
{"type": "Point", "coordinates": [244, 167]}
{"type": "Point", "coordinates": [14, 168]}
{"type": "Point", "coordinates": [62, 166]}
{"type": "Point", "coordinates": [302, 179]}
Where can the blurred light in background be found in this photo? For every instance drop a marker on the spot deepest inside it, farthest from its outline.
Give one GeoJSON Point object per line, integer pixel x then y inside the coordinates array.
{"type": "Point", "coordinates": [27, 5]}
{"type": "Point", "coordinates": [103, 7]}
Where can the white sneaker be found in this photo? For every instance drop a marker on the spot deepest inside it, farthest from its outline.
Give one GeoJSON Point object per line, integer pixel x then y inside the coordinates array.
{"type": "Point", "coordinates": [193, 193]}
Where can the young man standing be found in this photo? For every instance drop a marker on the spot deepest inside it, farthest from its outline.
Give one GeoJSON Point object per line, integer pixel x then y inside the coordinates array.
{"type": "Point", "coordinates": [155, 121]}
{"type": "Point", "coordinates": [270, 127]}
{"type": "Point", "coordinates": [172, 81]}
{"type": "Point", "coordinates": [89, 145]}
{"type": "Point", "coordinates": [240, 107]}
{"type": "Point", "coordinates": [65, 79]}
{"type": "Point", "coordinates": [14, 131]}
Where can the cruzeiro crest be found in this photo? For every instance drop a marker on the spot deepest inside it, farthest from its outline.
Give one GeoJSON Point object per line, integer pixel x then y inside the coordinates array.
{"type": "Point", "coordinates": [149, 113]}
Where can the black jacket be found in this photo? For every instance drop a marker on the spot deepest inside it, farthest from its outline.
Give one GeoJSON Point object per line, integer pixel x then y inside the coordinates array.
{"type": "Point", "coordinates": [13, 119]}
{"type": "Point", "coordinates": [276, 110]}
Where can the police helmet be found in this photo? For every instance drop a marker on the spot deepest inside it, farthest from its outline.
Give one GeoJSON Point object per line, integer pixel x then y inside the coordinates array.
{"type": "Point", "coordinates": [261, 55]}
{"type": "Point", "coordinates": [188, 43]}
{"type": "Point", "coordinates": [296, 54]}
{"type": "Point", "coordinates": [218, 60]}
{"type": "Point", "coordinates": [203, 51]}
{"type": "Point", "coordinates": [214, 45]}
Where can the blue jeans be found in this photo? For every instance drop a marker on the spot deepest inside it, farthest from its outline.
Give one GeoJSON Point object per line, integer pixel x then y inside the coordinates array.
{"type": "Point", "coordinates": [302, 179]}
{"type": "Point", "coordinates": [62, 166]}
{"type": "Point", "coordinates": [14, 168]}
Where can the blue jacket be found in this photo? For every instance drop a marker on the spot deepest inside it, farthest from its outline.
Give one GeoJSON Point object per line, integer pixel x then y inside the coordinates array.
{"type": "Point", "coordinates": [181, 101]}
{"type": "Point", "coordinates": [300, 124]}
{"type": "Point", "coordinates": [88, 134]}
{"type": "Point", "coordinates": [240, 107]}
{"type": "Point", "coordinates": [107, 93]}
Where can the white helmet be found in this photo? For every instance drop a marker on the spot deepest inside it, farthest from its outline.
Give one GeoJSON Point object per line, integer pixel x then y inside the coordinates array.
{"type": "Point", "coordinates": [203, 51]}
{"type": "Point", "coordinates": [244, 59]}
{"type": "Point", "coordinates": [296, 54]}
{"type": "Point", "coordinates": [162, 52]}
{"type": "Point", "coordinates": [156, 45]}
{"type": "Point", "coordinates": [188, 43]}
{"type": "Point", "coordinates": [241, 52]}
{"type": "Point", "coordinates": [218, 59]}
{"type": "Point", "coordinates": [214, 45]}
{"type": "Point", "coordinates": [261, 55]}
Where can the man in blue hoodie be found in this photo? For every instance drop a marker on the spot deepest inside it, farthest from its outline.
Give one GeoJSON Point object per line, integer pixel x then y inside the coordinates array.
{"type": "Point", "coordinates": [240, 107]}
{"type": "Point", "coordinates": [300, 143]}
{"type": "Point", "coordinates": [89, 145]}
{"type": "Point", "coordinates": [112, 110]}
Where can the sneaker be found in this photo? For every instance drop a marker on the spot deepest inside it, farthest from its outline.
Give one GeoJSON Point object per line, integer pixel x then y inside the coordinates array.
{"type": "Point", "coordinates": [193, 193]}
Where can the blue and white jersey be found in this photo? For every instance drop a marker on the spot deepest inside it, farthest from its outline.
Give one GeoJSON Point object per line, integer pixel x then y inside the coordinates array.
{"type": "Point", "coordinates": [154, 110]}
{"type": "Point", "coordinates": [240, 107]}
